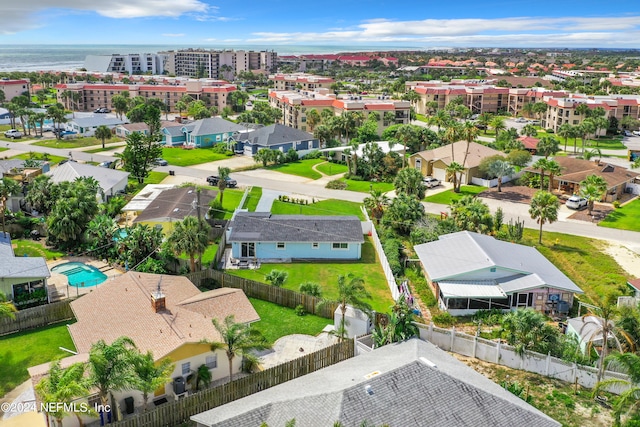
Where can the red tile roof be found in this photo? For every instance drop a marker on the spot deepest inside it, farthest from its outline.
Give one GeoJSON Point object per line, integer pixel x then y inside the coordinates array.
{"type": "Point", "coordinates": [635, 283]}
{"type": "Point", "coordinates": [529, 142]}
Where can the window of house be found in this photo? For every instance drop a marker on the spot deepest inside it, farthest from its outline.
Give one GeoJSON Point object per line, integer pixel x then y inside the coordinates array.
{"type": "Point", "coordinates": [212, 361]}
{"type": "Point", "coordinates": [280, 245]}
{"type": "Point", "coordinates": [339, 246]}
{"type": "Point", "coordinates": [315, 245]}
{"type": "Point", "coordinates": [186, 368]}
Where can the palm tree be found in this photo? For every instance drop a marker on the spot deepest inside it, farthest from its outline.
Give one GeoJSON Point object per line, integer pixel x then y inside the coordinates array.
{"type": "Point", "coordinates": [500, 169]}
{"type": "Point", "coordinates": [351, 291]}
{"type": "Point", "coordinates": [529, 130]}
{"type": "Point", "coordinates": [376, 203]}
{"type": "Point", "coordinates": [593, 188]}
{"type": "Point", "coordinates": [453, 170]}
{"type": "Point", "coordinates": [110, 366]}
{"type": "Point", "coordinates": [203, 376]}
{"type": "Point", "coordinates": [7, 309]}
{"type": "Point", "coordinates": [313, 118]}
{"type": "Point", "coordinates": [539, 108]}
{"type": "Point", "coordinates": [62, 386]}
{"type": "Point", "coordinates": [547, 146]}
{"type": "Point", "coordinates": [565, 131]}
{"type": "Point", "coordinates": [497, 124]}
{"type": "Point", "coordinates": [223, 175]}
{"type": "Point", "coordinates": [441, 118]}
{"type": "Point", "coordinates": [405, 134]}
{"type": "Point", "coordinates": [190, 236]}
{"type": "Point", "coordinates": [554, 170]}
{"type": "Point", "coordinates": [544, 208]}
{"type": "Point", "coordinates": [237, 340]}
{"type": "Point", "coordinates": [599, 123]}
{"type": "Point", "coordinates": [527, 109]}
{"type": "Point", "coordinates": [103, 132]}
{"type": "Point", "coordinates": [8, 187]}
{"type": "Point", "coordinates": [149, 375]}
{"type": "Point", "coordinates": [541, 164]}
{"type": "Point", "coordinates": [409, 182]}
{"type": "Point", "coordinates": [627, 363]}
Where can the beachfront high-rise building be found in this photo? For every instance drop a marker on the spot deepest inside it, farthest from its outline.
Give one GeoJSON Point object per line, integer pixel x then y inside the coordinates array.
{"type": "Point", "coordinates": [218, 64]}
{"type": "Point", "coordinates": [13, 88]}
{"type": "Point", "coordinates": [133, 63]}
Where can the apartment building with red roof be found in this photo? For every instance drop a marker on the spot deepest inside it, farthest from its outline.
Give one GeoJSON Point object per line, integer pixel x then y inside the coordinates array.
{"type": "Point", "coordinates": [13, 88]}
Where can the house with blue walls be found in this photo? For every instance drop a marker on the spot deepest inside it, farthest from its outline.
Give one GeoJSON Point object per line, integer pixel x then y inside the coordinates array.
{"type": "Point", "coordinates": [202, 133]}
{"type": "Point", "coordinates": [276, 137]}
{"type": "Point", "coordinates": [266, 237]}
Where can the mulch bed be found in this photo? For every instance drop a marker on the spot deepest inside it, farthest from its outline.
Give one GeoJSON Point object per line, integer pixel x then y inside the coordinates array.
{"type": "Point", "coordinates": [510, 193]}
{"type": "Point", "coordinates": [598, 214]}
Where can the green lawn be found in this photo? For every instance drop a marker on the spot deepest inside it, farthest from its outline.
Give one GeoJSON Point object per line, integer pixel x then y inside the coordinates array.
{"type": "Point", "coordinates": [277, 321]}
{"type": "Point", "coordinates": [624, 218]}
{"type": "Point", "coordinates": [329, 168]}
{"type": "Point", "coordinates": [25, 349]}
{"type": "Point", "coordinates": [583, 261]}
{"type": "Point", "coordinates": [326, 274]}
{"type": "Point", "coordinates": [208, 255]}
{"type": "Point", "coordinates": [100, 149]}
{"type": "Point", "coordinates": [367, 186]}
{"type": "Point", "coordinates": [301, 168]}
{"type": "Point", "coordinates": [605, 143]}
{"type": "Point", "coordinates": [181, 157]}
{"type": "Point", "coordinates": [153, 178]}
{"type": "Point", "coordinates": [323, 207]}
{"type": "Point", "coordinates": [34, 249]}
{"type": "Point", "coordinates": [54, 160]}
{"type": "Point", "coordinates": [230, 202]}
{"type": "Point", "coordinates": [422, 118]}
{"type": "Point", "coordinates": [74, 143]}
{"type": "Point", "coordinates": [252, 199]}
{"type": "Point", "coordinates": [446, 197]}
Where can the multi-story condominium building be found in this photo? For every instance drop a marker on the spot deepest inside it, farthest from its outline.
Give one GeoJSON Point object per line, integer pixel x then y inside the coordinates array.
{"type": "Point", "coordinates": [13, 88]}
{"type": "Point", "coordinates": [300, 81]}
{"type": "Point", "coordinates": [213, 93]}
{"type": "Point", "coordinates": [564, 110]}
{"type": "Point", "coordinates": [218, 63]}
{"type": "Point", "coordinates": [133, 63]}
{"type": "Point", "coordinates": [295, 105]}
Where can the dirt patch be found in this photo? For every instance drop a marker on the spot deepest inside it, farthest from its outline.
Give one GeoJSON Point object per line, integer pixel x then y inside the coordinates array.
{"type": "Point", "coordinates": [510, 193]}
{"type": "Point", "coordinates": [598, 214]}
{"type": "Point", "coordinates": [627, 259]}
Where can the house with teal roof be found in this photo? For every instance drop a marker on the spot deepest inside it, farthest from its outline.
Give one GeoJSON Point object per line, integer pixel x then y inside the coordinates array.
{"type": "Point", "coordinates": [202, 133]}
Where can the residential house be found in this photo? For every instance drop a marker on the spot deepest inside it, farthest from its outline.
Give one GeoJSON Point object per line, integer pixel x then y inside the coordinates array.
{"type": "Point", "coordinates": [201, 133]}
{"type": "Point", "coordinates": [575, 171]}
{"type": "Point", "coordinates": [86, 126]}
{"type": "Point", "coordinates": [111, 181]}
{"type": "Point", "coordinates": [470, 272]}
{"type": "Point", "coordinates": [412, 383]}
{"type": "Point", "coordinates": [15, 169]}
{"type": "Point", "coordinates": [143, 199]}
{"type": "Point", "coordinates": [436, 161]}
{"type": "Point", "coordinates": [530, 143]}
{"type": "Point", "coordinates": [587, 332]}
{"type": "Point", "coordinates": [22, 279]}
{"type": "Point", "coordinates": [275, 137]}
{"type": "Point", "coordinates": [635, 287]}
{"type": "Point", "coordinates": [173, 205]}
{"type": "Point", "coordinates": [124, 130]}
{"type": "Point", "coordinates": [344, 152]}
{"type": "Point", "coordinates": [166, 315]}
{"type": "Point", "coordinates": [263, 236]}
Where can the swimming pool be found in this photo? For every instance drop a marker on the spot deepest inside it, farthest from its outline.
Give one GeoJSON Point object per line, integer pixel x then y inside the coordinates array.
{"type": "Point", "coordinates": [80, 275]}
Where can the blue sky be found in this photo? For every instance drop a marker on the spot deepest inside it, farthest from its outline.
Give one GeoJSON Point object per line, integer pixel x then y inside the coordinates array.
{"type": "Point", "coordinates": [544, 23]}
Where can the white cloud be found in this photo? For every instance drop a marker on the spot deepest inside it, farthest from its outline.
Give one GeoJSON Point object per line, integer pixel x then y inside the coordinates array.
{"type": "Point", "coordinates": [24, 14]}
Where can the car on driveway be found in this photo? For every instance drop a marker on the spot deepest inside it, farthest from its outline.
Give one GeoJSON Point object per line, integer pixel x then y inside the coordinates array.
{"type": "Point", "coordinates": [636, 132]}
{"type": "Point", "coordinates": [13, 134]}
{"type": "Point", "coordinates": [214, 180]}
{"type": "Point", "coordinates": [431, 182]}
{"type": "Point", "coordinates": [577, 202]}
{"type": "Point", "coordinates": [102, 110]}
{"type": "Point", "coordinates": [521, 120]}
{"type": "Point", "coordinates": [160, 162]}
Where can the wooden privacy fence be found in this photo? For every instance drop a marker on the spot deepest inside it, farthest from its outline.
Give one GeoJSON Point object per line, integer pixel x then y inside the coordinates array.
{"type": "Point", "coordinates": [253, 289]}
{"type": "Point", "coordinates": [37, 317]}
{"type": "Point", "coordinates": [176, 413]}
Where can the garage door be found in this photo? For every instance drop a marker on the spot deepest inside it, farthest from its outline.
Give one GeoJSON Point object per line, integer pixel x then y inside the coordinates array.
{"type": "Point", "coordinates": [440, 174]}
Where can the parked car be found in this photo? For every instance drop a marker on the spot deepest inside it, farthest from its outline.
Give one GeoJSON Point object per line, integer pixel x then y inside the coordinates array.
{"type": "Point", "coordinates": [431, 182]}
{"type": "Point", "coordinates": [521, 120]}
{"type": "Point", "coordinates": [105, 164]}
{"type": "Point", "coordinates": [214, 179]}
{"type": "Point", "coordinates": [102, 110]}
{"type": "Point", "coordinates": [13, 134]}
{"type": "Point", "coordinates": [160, 162]}
{"type": "Point", "coordinates": [480, 126]}
{"type": "Point", "coordinates": [636, 132]}
{"type": "Point", "coordinates": [577, 202]}
{"type": "Point", "coordinates": [627, 133]}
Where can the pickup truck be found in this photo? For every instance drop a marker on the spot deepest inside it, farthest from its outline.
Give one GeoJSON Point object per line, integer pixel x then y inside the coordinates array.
{"type": "Point", "coordinates": [214, 179]}
{"type": "Point", "coordinates": [13, 134]}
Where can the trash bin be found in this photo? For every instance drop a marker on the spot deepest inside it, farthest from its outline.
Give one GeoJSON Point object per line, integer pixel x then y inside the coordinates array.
{"type": "Point", "coordinates": [172, 173]}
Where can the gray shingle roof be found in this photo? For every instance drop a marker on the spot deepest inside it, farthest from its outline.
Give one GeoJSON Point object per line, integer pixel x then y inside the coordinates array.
{"type": "Point", "coordinates": [88, 122]}
{"type": "Point", "coordinates": [16, 267]}
{"type": "Point", "coordinates": [275, 135]}
{"type": "Point", "coordinates": [406, 391]}
{"type": "Point", "coordinates": [213, 125]}
{"type": "Point", "coordinates": [7, 165]}
{"type": "Point", "coordinates": [173, 130]}
{"type": "Point", "coordinates": [265, 227]}
{"type": "Point", "coordinates": [176, 204]}
{"type": "Point", "coordinates": [70, 171]}
{"type": "Point", "coordinates": [464, 252]}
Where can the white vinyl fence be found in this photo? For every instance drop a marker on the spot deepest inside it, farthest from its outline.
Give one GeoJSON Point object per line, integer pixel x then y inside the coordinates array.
{"type": "Point", "coordinates": [503, 354]}
{"type": "Point", "coordinates": [388, 274]}
{"type": "Point", "coordinates": [490, 183]}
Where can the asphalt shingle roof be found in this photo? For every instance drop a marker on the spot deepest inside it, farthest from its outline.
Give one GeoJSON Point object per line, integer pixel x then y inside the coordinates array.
{"type": "Point", "coordinates": [275, 135]}
{"type": "Point", "coordinates": [265, 227]}
{"type": "Point", "coordinates": [213, 125]}
{"type": "Point", "coordinates": [411, 384]}
{"type": "Point", "coordinates": [176, 204]}
{"type": "Point", "coordinates": [98, 120]}
{"type": "Point", "coordinates": [19, 267]}
{"type": "Point", "coordinates": [70, 171]}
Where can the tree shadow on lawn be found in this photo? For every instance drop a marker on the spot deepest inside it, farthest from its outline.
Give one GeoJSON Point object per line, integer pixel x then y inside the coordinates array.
{"type": "Point", "coordinates": [564, 248]}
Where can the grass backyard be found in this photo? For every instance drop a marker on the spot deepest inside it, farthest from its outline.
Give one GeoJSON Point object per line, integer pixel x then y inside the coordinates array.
{"type": "Point", "coordinates": [75, 142]}
{"type": "Point", "coordinates": [446, 197]}
{"type": "Point", "coordinates": [277, 321]}
{"type": "Point", "coordinates": [605, 143]}
{"type": "Point", "coordinates": [207, 257]}
{"type": "Point", "coordinates": [326, 274]}
{"type": "Point", "coordinates": [230, 202]}
{"type": "Point", "coordinates": [181, 157]}
{"type": "Point", "coordinates": [25, 349]}
{"type": "Point", "coordinates": [582, 259]}
{"type": "Point", "coordinates": [153, 178]}
{"type": "Point", "coordinates": [624, 218]}
{"type": "Point", "coordinates": [31, 248]}
{"type": "Point", "coordinates": [303, 168]}
{"type": "Point", "coordinates": [323, 207]}
{"type": "Point", "coordinates": [367, 186]}
{"type": "Point", "coordinates": [329, 168]}
{"type": "Point", "coordinates": [252, 199]}
{"type": "Point", "coordinates": [54, 160]}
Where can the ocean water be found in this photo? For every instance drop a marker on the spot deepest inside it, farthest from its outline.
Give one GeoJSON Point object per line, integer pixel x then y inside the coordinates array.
{"type": "Point", "coordinates": [71, 57]}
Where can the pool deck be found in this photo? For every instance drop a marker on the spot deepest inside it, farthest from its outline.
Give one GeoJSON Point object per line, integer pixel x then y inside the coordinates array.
{"type": "Point", "coordinates": [58, 284]}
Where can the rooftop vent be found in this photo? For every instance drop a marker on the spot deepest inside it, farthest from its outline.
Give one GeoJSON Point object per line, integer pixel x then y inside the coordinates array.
{"type": "Point", "coordinates": [368, 390]}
